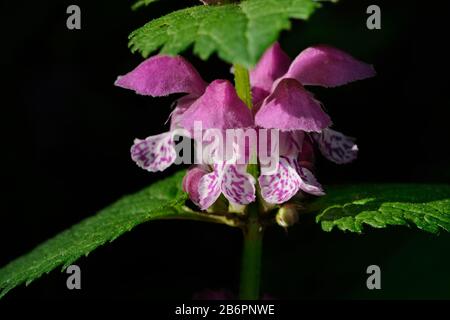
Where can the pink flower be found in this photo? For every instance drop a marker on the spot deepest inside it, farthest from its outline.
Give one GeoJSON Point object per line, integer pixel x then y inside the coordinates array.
{"type": "Point", "coordinates": [216, 106]}
{"type": "Point", "coordinates": [280, 102]}
{"type": "Point", "coordinates": [283, 103]}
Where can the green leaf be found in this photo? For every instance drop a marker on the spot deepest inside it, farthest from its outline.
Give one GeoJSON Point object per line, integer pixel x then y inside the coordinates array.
{"type": "Point", "coordinates": [350, 207]}
{"type": "Point", "coordinates": [162, 200]}
{"type": "Point", "coordinates": [239, 33]}
{"type": "Point", "coordinates": [141, 3]}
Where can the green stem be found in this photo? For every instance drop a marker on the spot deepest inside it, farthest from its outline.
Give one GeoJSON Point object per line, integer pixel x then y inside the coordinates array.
{"type": "Point", "coordinates": [253, 231]}
{"type": "Point", "coordinates": [251, 257]}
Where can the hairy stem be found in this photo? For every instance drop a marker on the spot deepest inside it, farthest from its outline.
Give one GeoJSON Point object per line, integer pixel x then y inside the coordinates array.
{"type": "Point", "coordinates": [253, 231]}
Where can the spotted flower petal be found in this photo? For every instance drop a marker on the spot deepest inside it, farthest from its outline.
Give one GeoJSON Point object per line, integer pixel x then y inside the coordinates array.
{"type": "Point", "coordinates": [155, 153]}
{"type": "Point", "coordinates": [238, 186]}
{"type": "Point", "coordinates": [163, 75]}
{"type": "Point", "coordinates": [209, 189]}
{"type": "Point", "coordinates": [282, 185]}
{"type": "Point", "coordinates": [230, 179]}
{"type": "Point", "coordinates": [291, 107]}
{"type": "Point", "coordinates": [289, 179]}
{"type": "Point", "coordinates": [218, 108]}
{"type": "Point", "coordinates": [328, 67]}
{"type": "Point", "coordinates": [336, 147]}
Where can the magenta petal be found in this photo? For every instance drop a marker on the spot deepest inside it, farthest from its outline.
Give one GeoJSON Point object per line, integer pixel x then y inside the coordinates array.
{"type": "Point", "coordinates": [291, 107]}
{"type": "Point", "coordinates": [191, 182]}
{"type": "Point", "coordinates": [218, 108]}
{"type": "Point", "coordinates": [163, 75]}
{"type": "Point", "coordinates": [328, 67]}
{"type": "Point", "coordinates": [258, 96]}
{"type": "Point", "coordinates": [336, 147]}
{"type": "Point", "coordinates": [182, 105]}
{"type": "Point", "coordinates": [155, 153]}
{"type": "Point", "coordinates": [273, 64]}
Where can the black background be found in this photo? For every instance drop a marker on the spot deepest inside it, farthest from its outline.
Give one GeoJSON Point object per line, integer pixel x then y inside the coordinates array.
{"type": "Point", "coordinates": [68, 131]}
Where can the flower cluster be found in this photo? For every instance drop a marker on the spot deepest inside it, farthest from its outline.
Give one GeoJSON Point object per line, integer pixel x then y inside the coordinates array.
{"type": "Point", "coordinates": [280, 102]}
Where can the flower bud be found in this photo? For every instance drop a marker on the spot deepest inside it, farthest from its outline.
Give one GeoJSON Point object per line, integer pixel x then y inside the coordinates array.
{"type": "Point", "coordinates": [191, 181]}
{"type": "Point", "coordinates": [287, 215]}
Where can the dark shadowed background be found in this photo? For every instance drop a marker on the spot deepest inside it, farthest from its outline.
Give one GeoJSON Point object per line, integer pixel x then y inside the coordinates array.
{"type": "Point", "coordinates": [68, 130]}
